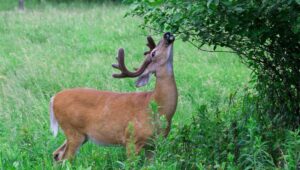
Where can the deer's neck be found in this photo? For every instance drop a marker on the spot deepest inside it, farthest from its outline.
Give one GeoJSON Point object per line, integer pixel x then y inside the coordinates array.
{"type": "Point", "coordinates": [165, 93]}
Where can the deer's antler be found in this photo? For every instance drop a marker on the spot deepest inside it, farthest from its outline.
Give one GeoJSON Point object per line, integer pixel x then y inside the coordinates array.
{"type": "Point", "coordinates": [124, 71]}
{"type": "Point", "coordinates": [151, 44]}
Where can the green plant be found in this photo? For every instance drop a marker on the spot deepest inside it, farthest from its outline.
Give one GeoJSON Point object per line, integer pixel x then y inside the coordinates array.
{"type": "Point", "coordinates": [291, 150]}
{"type": "Point", "coordinates": [132, 158]}
{"type": "Point", "coordinates": [265, 34]}
{"type": "Point", "coordinates": [236, 137]}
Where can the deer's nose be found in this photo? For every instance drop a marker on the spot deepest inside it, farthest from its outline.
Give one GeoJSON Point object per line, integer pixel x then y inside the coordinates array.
{"type": "Point", "coordinates": [169, 37]}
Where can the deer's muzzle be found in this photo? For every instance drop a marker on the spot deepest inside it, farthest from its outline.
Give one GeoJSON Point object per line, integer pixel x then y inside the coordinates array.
{"type": "Point", "coordinates": [169, 37]}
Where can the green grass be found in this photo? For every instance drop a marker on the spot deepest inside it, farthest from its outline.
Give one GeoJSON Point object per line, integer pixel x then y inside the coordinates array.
{"type": "Point", "coordinates": [49, 48]}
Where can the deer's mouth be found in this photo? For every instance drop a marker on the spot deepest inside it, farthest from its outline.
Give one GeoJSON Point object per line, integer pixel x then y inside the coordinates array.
{"type": "Point", "coordinates": [169, 38]}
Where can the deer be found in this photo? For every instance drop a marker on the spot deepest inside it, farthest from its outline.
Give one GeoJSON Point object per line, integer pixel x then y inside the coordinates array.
{"type": "Point", "coordinates": [103, 117]}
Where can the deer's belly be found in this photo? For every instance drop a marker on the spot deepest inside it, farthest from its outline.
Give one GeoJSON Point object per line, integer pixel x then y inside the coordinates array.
{"type": "Point", "coordinates": [107, 135]}
{"type": "Point", "coordinates": [102, 142]}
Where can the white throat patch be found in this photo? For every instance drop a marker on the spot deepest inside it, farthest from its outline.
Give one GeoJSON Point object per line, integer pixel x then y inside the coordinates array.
{"type": "Point", "coordinates": [170, 60]}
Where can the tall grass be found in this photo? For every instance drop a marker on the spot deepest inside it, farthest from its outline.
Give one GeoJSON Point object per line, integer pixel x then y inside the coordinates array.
{"type": "Point", "coordinates": [52, 47]}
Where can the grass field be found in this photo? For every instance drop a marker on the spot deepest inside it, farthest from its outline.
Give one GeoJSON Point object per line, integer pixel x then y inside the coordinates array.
{"type": "Point", "coordinates": [48, 48]}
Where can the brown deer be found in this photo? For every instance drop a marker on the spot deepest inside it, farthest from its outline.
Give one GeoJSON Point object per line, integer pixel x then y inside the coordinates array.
{"type": "Point", "coordinates": [104, 116]}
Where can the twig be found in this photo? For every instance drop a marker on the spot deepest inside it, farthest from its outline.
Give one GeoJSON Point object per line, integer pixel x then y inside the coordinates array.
{"type": "Point", "coordinates": [217, 51]}
{"type": "Point", "coordinates": [193, 44]}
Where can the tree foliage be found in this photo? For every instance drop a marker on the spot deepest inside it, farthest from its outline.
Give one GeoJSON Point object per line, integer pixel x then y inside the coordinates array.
{"type": "Point", "coordinates": [264, 33]}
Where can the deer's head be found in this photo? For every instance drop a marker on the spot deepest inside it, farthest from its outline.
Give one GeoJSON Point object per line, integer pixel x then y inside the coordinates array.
{"type": "Point", "coordinates": [158, 57]}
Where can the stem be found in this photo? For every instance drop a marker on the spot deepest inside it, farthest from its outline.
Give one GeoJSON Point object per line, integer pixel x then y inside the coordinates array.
{"type": "Point", "coordinates": [21, 5]}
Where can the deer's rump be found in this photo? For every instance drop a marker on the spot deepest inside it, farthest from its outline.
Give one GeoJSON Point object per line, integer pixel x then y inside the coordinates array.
{"type": "Point", "coordinates": [101, 116]}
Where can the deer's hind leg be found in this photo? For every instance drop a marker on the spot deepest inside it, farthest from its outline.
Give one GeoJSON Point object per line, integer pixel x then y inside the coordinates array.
{"type": "Point", "coordinates": [57, 155]}
{"type": "Point", "coordinates": [69, 147]}
{"type": "Point", "coordinates": [74, 141]}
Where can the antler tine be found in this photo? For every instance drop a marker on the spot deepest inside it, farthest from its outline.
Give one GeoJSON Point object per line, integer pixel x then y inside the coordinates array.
{"type": "Point", "coordinates": [124, 71]}
{"type": "Point", "coordinates": [151, 44]}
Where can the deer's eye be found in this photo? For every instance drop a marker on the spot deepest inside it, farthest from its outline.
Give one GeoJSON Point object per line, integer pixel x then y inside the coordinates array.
{"type": "Point", "coordinates": [153, 54]}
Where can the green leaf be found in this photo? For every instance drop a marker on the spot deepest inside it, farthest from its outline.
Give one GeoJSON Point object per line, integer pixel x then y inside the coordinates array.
{"type": "Point", "coordinates": [208, 3]}
{"type": "Point", "coordinates": [155, 2]}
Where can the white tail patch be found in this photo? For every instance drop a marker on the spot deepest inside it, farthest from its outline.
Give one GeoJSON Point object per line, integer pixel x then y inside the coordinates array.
{"type": "Point", "coordinates": [53, 121]}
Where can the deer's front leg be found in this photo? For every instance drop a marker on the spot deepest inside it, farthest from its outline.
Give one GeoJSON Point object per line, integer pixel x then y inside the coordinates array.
{"type": "Point", "coordinates": [137, 134]}
{"type": "Point", "coordinates": [133, 148]}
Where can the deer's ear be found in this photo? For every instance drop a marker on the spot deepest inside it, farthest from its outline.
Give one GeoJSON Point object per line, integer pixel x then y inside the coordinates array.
{"type": "Point", "coordinates": [142, 80]}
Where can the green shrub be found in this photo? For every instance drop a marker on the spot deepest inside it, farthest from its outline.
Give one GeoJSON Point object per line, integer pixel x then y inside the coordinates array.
{"type": "Point", "coordinates": [265, 34]}
{"type": "Point", "coordinates": [237, 137]}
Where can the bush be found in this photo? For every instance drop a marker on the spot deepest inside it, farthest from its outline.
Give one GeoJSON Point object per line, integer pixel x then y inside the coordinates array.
{"type": "Point", "coordinates": [235, 138]}
{"type": "Point", "coordinates": [265, 34]}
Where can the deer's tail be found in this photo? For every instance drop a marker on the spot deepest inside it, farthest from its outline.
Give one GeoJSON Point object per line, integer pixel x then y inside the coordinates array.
{"type": "Point", "coordinates": [53, 121]}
